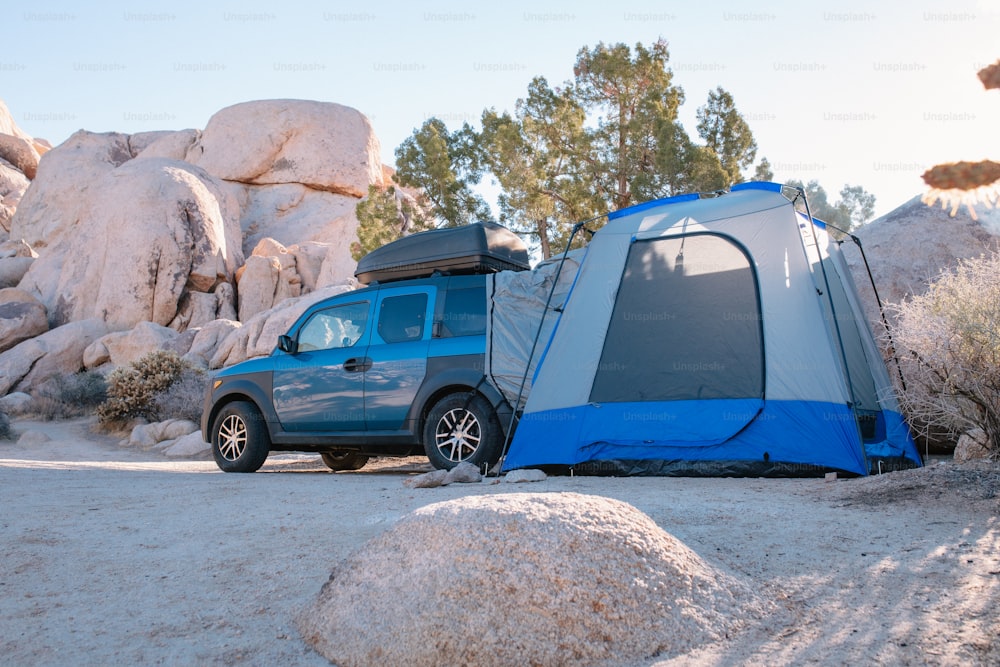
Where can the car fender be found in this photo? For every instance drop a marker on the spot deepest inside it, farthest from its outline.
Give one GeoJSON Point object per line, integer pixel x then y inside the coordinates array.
{"type": "Point", "coordinates": [255, 387]}
{"type": "Point", "coordinates": [462, 378]}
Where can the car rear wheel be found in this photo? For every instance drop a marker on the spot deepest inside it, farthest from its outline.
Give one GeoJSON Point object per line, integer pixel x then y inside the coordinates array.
{"type": "Point", "coordinates": [460, 428]}
{"type": "Point", "coordinates": [240, 442]}
{"type": "Point", "coordinates": [343, 459]}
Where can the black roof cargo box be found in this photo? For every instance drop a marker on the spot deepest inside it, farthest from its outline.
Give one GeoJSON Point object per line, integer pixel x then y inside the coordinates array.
{"type": "Point", "coordinates": [482, 247]}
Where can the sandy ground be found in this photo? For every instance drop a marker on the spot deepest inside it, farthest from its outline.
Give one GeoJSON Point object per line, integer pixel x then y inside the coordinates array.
{"type": "Point", "coordinates": [112, 557]}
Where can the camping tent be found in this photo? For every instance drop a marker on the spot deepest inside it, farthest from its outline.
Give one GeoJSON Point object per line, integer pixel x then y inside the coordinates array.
{"type": "Point", "coordinates": [719, 336]}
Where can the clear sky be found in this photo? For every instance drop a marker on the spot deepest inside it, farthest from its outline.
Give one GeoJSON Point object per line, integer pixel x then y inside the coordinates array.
{"type": "Point", "coordinates": [866, 93]}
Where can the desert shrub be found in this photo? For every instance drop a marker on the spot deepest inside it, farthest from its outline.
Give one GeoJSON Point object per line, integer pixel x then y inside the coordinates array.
{"type": "Point", "coordinates": [183, 398]}
{"type": "Point", "coordinates": [133, 389]}
{"type": "Point", "coordinates": [948, 346]}
{"type": "Point", "coordinates": [70, 395]}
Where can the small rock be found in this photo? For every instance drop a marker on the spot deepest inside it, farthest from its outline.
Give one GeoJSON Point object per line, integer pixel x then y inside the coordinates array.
{"type": "Point", "coordinates": [142, 437]}
{"type": "Point", "coordinates": [148, 436]}
{"type": "Point", "coordinates": [465, 473]}
{"type": "Point", "coordinates": [12, 270]}
{"type": "Point", "coordinates": [96, 354]}
{"type": "Point", "coordinates": [428, 480]}
{"type": "Point", "coordinates": [972, 446]}
{"type": "Point", "coordinates": [15, 402]}
{"type": "Point", "coordinates": [171, 429]}
{"type": "Point", "coordinates": [525, 475]}
{"type": "Point", "coordinates": [189, 446]}
{"type": "Point", "coordinates": [16, 249]}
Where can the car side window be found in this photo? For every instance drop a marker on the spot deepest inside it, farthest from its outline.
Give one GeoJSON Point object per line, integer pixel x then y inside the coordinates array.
{"type": "Point", "coordinates": [464, 312]}
{"type": "Point", "coordinates": [334, 328]}
{"type": "Point", "coordinates": [401, 318]}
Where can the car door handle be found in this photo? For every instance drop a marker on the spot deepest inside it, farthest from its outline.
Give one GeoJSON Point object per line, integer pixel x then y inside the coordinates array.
{"type": "Point", "coordinates": [357, 364]}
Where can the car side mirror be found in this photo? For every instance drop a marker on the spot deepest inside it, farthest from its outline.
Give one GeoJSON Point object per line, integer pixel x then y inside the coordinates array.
{"type": "Point", "coordinates": [287, 344]}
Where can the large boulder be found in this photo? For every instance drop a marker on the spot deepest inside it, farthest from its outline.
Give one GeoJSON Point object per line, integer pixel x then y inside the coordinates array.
{"type": "Point", "coordinates": [173, 145]}
{"type": "Point", "coordinates": [524, 579]}
{"type": "Point", "coordinates": [196, 309]}
{"type": "Point", "coordinates": [53, 353]}
{"type": "Point", "coordinates": [67, 177]}
{"type": "Point", "coordinates": [293, 214]}
{"type": "Point", "coordinates": [268, 278]}
{"type": "Point", "coordinates": [309, 260]}
{"type": "Point", "coordinates": [972, 446]}
{"type": "Point", "coordinates": [13, 270]}
{"type": "Point", "coordinates": [139, 142]}
{"type": "Point", "coordinates": [258, 281]}
{"type": "Point", "coordinates": [152, 230]}
{"type": "Point", "coordinates": [17, 146]}
{"type": "Point", "coordinates": [322, 145]}
{"type": "Point", "coordinates": [909, 247]}
{"type": "Point", "coordinates": [207, 340]}
{"type": "Point", "coordinates": [22, 317]}
{"type": "Point", "coordinates": [20, 153]}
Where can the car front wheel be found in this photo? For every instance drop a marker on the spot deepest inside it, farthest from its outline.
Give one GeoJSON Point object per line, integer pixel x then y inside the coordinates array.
{"type": "Point", "coordinates": [460, 428]}
{"type": "Point", "coordinates": [240, 442]}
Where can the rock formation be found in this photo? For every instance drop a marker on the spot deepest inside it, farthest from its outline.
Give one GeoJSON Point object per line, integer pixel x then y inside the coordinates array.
{"type": "Point", "coordinates": [189, 230]}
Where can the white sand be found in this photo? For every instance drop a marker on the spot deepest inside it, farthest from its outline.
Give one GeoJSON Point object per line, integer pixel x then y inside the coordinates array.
{"type": "Point", "coordinates": [111, 556]}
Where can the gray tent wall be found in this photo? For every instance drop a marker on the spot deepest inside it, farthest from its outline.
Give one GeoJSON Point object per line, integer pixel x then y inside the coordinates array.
{"type": "Point", "coordinates": [515, 307]}
{"type": "Point", "coordinates": [872, 388]}
{"type": "Point", "coordinates": [700, 337]}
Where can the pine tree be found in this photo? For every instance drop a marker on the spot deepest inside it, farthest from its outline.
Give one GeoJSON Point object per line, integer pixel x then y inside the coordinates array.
{"type": "Point", "coordinates": [727, 134]}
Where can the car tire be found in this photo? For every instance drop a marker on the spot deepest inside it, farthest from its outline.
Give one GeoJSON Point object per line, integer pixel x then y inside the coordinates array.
{"type": "Point", "coordinates": [461, 428]}
{"type": "Point", "coordinates": [240, 442]}
{"type": "Point", "coordinates": [342, 459]}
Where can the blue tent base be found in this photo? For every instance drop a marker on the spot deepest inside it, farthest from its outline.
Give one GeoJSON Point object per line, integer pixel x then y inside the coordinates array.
{"type": "Point", "coordinates": [683, 468]}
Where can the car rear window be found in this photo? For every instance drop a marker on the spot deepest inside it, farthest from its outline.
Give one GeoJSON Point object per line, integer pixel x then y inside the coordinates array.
{"type": "Point", "coordinates": [464, 312]}
{"type": "Point", "coordinates": [401, 318]}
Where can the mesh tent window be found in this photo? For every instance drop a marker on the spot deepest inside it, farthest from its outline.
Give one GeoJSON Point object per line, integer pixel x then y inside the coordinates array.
{"type": "Point", "coordinates": [686, 324]}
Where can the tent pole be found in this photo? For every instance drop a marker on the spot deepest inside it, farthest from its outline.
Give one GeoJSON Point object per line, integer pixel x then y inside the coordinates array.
{"type": "Point", "coordinates": [878, 299]}
{"type": "Point", "coordinates": [881, 311]}
{"type": "Point", "coordinates": [534, 344]}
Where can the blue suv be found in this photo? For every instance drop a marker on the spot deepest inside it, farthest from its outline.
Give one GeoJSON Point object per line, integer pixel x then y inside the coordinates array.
{"type": "Point", "coordinates": [393, 369]}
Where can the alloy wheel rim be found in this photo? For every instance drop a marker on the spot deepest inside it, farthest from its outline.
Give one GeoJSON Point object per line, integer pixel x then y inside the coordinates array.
{"type": "Point", "coordinates": [458, 435]}
{"type": "Point", "coordinates": [232, 437]}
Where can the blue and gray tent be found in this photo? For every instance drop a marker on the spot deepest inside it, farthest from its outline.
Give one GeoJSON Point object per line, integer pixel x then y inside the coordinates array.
{"type": "Point", "coordinates": [718, 336]}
